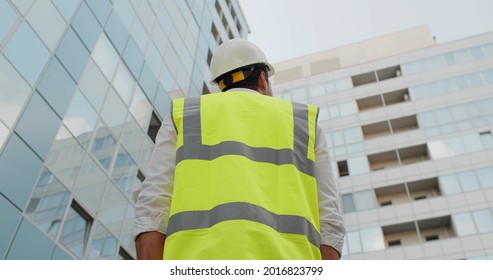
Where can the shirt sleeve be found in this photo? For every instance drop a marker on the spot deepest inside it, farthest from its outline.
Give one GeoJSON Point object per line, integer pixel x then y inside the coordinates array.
{"type": "Point", "coordinates": [153, 201]}
{"type": "Point", "coordinates": [331, 222]}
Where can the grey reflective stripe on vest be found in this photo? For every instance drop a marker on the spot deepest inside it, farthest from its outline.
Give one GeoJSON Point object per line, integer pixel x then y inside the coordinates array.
{"type": "Point", "coordinates": [292, 224]}
{"type": "Point", "coordinates": [194, 149]}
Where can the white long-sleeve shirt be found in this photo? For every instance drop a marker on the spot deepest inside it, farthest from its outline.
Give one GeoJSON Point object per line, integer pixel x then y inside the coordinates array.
{"type": "Point", "coordinates": [153, 202]}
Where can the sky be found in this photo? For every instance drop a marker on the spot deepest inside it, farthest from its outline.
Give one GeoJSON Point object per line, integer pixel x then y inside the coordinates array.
{"type": "Point", "coordinates": [286, 29]}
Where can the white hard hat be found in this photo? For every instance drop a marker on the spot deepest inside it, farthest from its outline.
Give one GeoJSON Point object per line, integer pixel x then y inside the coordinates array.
{"type": "Point", "coordinates": [235, 54]}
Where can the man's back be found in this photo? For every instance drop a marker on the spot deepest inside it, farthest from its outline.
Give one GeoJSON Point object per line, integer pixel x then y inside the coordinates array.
{"type": "Point", "coordinates": [244, 182]}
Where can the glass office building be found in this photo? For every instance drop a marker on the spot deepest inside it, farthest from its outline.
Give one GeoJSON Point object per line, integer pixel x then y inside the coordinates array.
{"type": "Point", "coordinates": [84, 85]}
{"type": "Point", "coordinates": [409, 129]}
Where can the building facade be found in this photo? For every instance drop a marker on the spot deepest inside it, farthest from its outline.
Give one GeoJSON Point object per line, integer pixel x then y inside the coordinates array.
{"type": "Point", "coordinates": [409, 130]}
{"type": "Point", "coordinates": [84, 85]}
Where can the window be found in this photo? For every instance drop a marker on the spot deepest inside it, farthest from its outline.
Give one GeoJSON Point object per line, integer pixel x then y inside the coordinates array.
{"type": "Point", "coordinates": [153, 128]}
{"type": "Point", "coordinates": [386, 203]}
{"type": "Point", "coordinates": [486, 139]}
{"type": "Point", "coordinates": [463, 224]}
{"type": "Point", "coordinates": [48, 203]}
{"type": "Point", "coordinates": [348, 203]}
{"type": "Point", "coordinates": [14, 93]}
{"type": "Point", "coordinates": [394, 243]}
{"type": "Point", "coordinates": [76, 228]}
{"type": "Point", "coordinates": [343, 168]}
{"type": "Point", "coordinates": [27, 53]}
{"type": "Point", "coordinates": [123, 255]}
{"type": "Point", "coordinates": [431, 237]}
{"type": "Point", "coordinates": [420, 197]}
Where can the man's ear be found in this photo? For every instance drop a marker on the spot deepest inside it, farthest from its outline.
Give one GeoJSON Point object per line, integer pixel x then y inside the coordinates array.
{"type": "Point", "coordinates": [263, 84]}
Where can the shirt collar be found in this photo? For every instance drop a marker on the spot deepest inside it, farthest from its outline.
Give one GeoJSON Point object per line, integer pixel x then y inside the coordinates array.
{"type": "Point", "coordinates": [243, 90]}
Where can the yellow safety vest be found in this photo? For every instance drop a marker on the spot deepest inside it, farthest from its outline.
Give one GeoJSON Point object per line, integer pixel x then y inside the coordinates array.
{"type": "Point", "coordinates": [244, 185]}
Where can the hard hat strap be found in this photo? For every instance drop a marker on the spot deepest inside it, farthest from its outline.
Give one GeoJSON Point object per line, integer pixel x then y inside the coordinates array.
{"type": "Point", "coordinates": [241, 74]}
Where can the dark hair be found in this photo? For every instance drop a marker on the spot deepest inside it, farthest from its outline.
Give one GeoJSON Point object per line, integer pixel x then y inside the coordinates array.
{"type": "Point", "coordinates": [251, 72]}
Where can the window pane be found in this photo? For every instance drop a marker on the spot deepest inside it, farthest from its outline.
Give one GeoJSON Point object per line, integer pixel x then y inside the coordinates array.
{"type": "Point", "coordinates": [372, 239]}
{"type": "Point", "coordinates": [48, 203]}
{"type": "Point", "coordinates": [443, 116]}
{"type": "Point", "coordinates": [427, 119]}
{"type": "Point", "coordinates": [139, 34]}
{"type": "Point", "coordinates": [113, 208]}
{"type": "Point", "coordinates": [358, 165]}
{"type": "Point", "coordinates": [364, 200]}
{"type": "Point", "coordinates": [8, 17]}
{"type": "Point", "coordinates": [103, 245]}
{"type": "Point", "coordinates": [47, 22]}
{"type": "Point", "coordinates": [330, 87]}
{"type": "Point", "coordinates": [127, 236]}
{"type": "Point", "coordinates": [114, 113]}
{"type": "Point", "coordinates": [4, 133]}
{"type": "Point", "coordinates": [477, 52]}
{"type": "Point", "coordinates": [38, 125]}
{"type": "Point", "coordinates": [449, 184]}
{"type": "Point", "coordinates": [124, 171]}
{"type": "Point", "coordinates": [30, 244]}
{"type": "Point", "coordinates": [27, 53]}
{"type": "Point", "coordinates": [75, 232]}
{"type": "Point", "coordinates": [485, 176]}
{"type": "Point", "coordinates": [124, 83]}
{"type": "Point", "coordinates": [488, 76]}
{"type": "Point", "coordinates": [317, 90]}
{"type": "Point", "coordinates": [94, 85]}
{"type": "Point", "coordinates": [90, 185]}
{"type": "Point", "coordinates": [66, 8]}
{"type": "Point", "coordinates": [354, 242]}
{"type": "Point", "coordinates": [19, 169]}
{"type": "Point", "coordinates": [459, 113]}
{"type": "Point", "coordinates": [65, 157]}
{"type": "Point", "coordinates": [127, 12]}
{"type": "Point", "coordinates": [334, 111]}
{"type": "Point", "coordinates": [116, 31]}
{"type": "Point", "coordinates": [486, 105]}
{"type": "Point", "coordinates": [9, 219]}
{"type": "Point", "coordinates": [155, 61]}
{"type": "Point", "coordinates": [80, 118]}
{"type": "Point", "coordinates": [463, 224]}
{"type": "Point", "coordinates": [489, 49]}
{"type": "Point", "coordinates": [462, 56]}
{"type": "Point", "coordinates": [353, 135]}
{"type": "Point", "coordinates": [487, 139]}
{"type": "Point", "coordinates": [101, 9]}
{"type": "Point", "coordinates": [348, 108]}
{"type": "Point", "coordinates": [348, 203]}
{"type": "Point", "coordinates": [474, 80]}
{"type": "Point", "coordinates": [86, 26]}
{"type": "Point", "coordinates": [103, 147]}
{"type": "Point", "coordinates": [338, 138]}
{"type": "Point", "coordinates": [105, 57]}
{"type": "Point", "coordinates": [484, 220]}
{"type": "Point", "coordinates": [72, 53]}
{"type": "Point", "coordinates": [14, 92]}
{"type": "Point", "coordinates": [134, 58]}
{"type": "Point", "coordinates": [468, 181]}
{"type": "Point", "coordinates": [342, 84]}
{"type": "Point", "coordinates": [300, 95]}
{"type": "Point", "coordinates": [472, 143]}
{"type": "Point", "coordinates": [57, 87]}
{"type": "Point", "coordinates": [323, 114]}
{"type": "Point", "coordinates": [455, 146]}
{"type": "Point", "coordinates": [461, 82]}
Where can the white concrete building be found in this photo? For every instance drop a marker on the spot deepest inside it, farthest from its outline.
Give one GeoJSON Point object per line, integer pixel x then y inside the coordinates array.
{"type": "Point", "coordinates": [409, 125]}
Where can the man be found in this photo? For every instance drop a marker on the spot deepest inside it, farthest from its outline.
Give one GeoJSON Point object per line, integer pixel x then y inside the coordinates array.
{"type": "Point", "coordinates": [239, 174]}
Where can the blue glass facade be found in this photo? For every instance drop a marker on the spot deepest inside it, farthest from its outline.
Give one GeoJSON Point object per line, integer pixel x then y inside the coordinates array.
{"type": "Point", "coordinates": [84, 85]}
